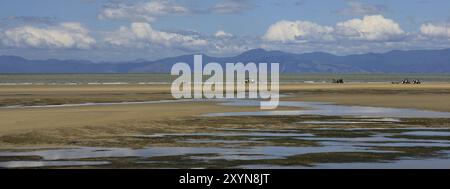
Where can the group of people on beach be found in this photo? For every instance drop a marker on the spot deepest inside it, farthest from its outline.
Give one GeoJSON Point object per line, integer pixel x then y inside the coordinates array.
{"type": "Point", "coordinates": [404, 81]}
{"type": "Point", "coordinates": [338, 81]}
{"type": "Point", "coordinates": [407, 81]}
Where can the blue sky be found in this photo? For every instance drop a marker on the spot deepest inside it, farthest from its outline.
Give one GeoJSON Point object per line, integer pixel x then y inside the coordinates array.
{"type": "Point", "coordinates": [115, 30]}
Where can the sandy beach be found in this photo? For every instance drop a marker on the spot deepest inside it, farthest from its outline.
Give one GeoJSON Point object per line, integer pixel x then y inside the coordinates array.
{"type": "Point", "coordinates": [431, 96]}
{"type": "Point", "coordinates": [434, 96]}
{"type": "Point", "coordinates": [181, 124]}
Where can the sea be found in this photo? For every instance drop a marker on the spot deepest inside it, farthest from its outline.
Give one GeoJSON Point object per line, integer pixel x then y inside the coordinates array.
{"type": "Point", "coordinates": [148, 79]}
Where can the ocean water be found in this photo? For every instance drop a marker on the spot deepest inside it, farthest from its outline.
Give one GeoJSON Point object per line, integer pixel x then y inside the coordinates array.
{"type": "Point", "coordinates": [73, 79]}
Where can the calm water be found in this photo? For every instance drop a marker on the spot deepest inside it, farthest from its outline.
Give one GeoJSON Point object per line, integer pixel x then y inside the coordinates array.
{"type": "Point", "coordinates": [11, 79]}
{"type": "Point", "coordinates": [328, 109]}
{"type": "Point", "coordinates": [246, 145]}
{"type": "Point", "coordinates": [378, 114]}
{"type": "Point", "coordinates": [230, 142]}
{"type": "Point", "coordinates": [231, 150]}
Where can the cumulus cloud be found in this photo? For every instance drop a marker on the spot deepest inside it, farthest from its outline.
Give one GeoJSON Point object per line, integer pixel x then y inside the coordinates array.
{"type": "Point", "coordinates": [286, 31]}
{"type": "Point", "coordinates": [141, 35]}
{"type": "Point", "coordinates": [63, 35]}
{"type": "Point", "coordinates": [370, 28]}
{"type": "Point", "coordinates": [142, 11]}
{"type": "Point", "coordinates": [435, 30]}
{"type": "Point", "coordinates": [231, 6]}
{"type": "Point", "coordinates": [359, 8]}
{"type": "Point", "coordinates": [222, 34]}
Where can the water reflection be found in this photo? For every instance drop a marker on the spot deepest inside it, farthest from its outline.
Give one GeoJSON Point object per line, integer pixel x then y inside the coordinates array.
{"type": "Point", "coordinates": [231, 150]}
{"type": "Point", "coordinates": [269, 144]}
{"type": "Point", "coordinates": [432, 163]}
{"type": "Point", "coordinates": [328, 109]}
{"type": "Point", "coordinates": [426, 133]}
{"type": "Point", "coordinates": [25, 164]}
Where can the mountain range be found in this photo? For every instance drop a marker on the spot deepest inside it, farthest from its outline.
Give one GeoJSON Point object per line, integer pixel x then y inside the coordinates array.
{"type": "Point", "coordinates": [412, 61]}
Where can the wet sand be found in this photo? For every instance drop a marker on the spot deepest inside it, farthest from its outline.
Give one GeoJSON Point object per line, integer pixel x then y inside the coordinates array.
{"type": "Point", "coordinates": [93, 121]}
{"type": "Point", "coordinates": [27, 119]}
{"type": "Point", "coordinates": [432, 96]}
{"type": "Point", "coordinates": [177, 135]}
{"type": "Point", "coordinates": [428, 96]}
{"type": "Point", "coordinates": [70, 94]}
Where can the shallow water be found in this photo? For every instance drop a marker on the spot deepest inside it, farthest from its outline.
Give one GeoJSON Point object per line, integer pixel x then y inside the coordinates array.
{"type": "Point", "coordinates": [379, 138]}
{"type": "Point", "coordinates": [426, 133]}
{"type": "Point", "coordinates": [260, 139]}
{"type": "Point", "coordinates": [225, 134]}
{"type": "Point", "coordinates": [335, 122]}
{"type": "Point", "coordinates": [327, 109]}
{"type": "Point", "coordinates": [353, 121]}
{"type": "Point", "coordinates": [432, 163]}
{"type": "Point", "coordinates": [94, 152]}
{"type": "Point", "coordinates": [24, 164]}
{"type": "Point", "coordinates": [152, 78]}
{"type": "Point", "coordinates": [96, 104]}
{"type": "Point", "coordinates": [198, 141]}
{"type": "Point", "coordinates": [230, 150]}
{"type": "Point", "coordinates": [269, 152]}
{"type": "Point", "coordinates": [371, 114]}
{"type": "Point", "coordinates": [381, 128]}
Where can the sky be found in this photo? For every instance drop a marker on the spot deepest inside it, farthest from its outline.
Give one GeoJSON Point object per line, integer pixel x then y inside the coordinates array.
{"type": "Point", "coordinates": [118, 30]}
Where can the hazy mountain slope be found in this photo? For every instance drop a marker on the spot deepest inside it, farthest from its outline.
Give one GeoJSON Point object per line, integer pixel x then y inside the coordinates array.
{"type": "Point", "coordinates": [416, 61]}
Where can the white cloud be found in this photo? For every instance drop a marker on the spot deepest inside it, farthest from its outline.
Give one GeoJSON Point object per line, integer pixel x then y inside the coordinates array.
{"type": "Point", "coordinates": [370, 28]}
{"type": "Point", "coordinates": [223, 34]}
{"type": "Point", "coordinates": [141, 34]}
{"type": "Point", "coordinates": [142, 11]}
{"type": "Point", "coordinates": [64, 35]}
{"type": "Point", "coordinates": [435, 30]}
{"type": "Point", "coordinates": [286, 31]}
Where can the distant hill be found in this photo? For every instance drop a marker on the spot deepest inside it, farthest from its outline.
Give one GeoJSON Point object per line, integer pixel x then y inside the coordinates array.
{"type": "Point", "coordinates": [414, 61]}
